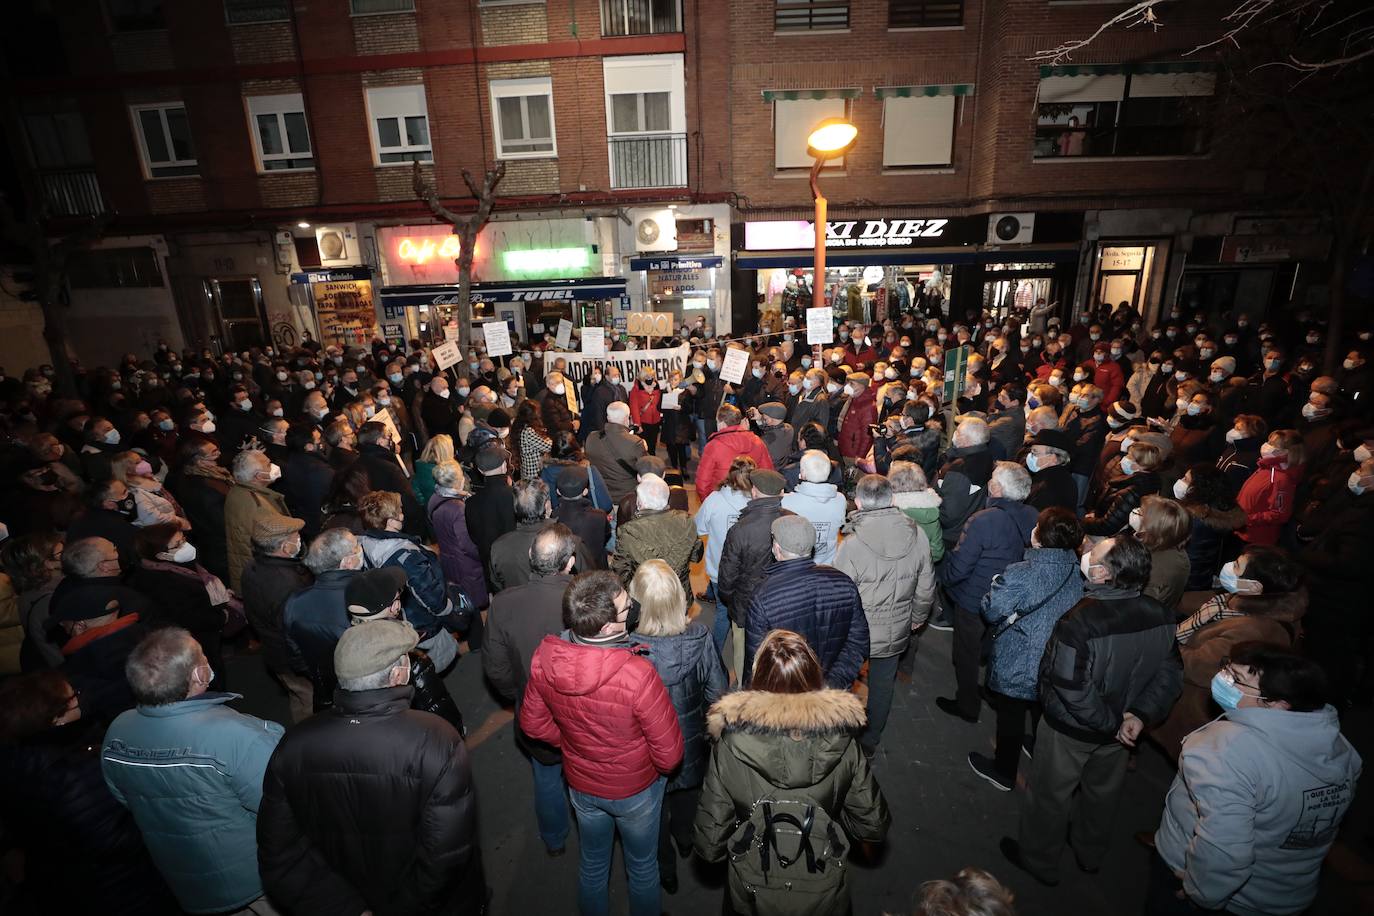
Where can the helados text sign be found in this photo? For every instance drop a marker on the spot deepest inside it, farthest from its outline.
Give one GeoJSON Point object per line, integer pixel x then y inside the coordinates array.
{"type": "Point", "coordinates": [630, 362]}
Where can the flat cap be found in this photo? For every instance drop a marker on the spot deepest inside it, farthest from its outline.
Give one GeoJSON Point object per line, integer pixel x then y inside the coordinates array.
{"type": "Point", "coordinates": [774, 410]}
{"type": "Point", "coordinates": [372, 646]}
{"type": "Point", "coordinates": [767, 481]}
{"type": "Point", "coordinates": [269, 527]}
{"type": "Point", "coordinates": [795, 535]}
{"type": "Point", "coordinates": [490, 458]}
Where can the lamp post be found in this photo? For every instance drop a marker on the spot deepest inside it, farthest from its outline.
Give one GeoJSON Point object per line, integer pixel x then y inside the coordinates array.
{"type": "Point", "coordinates": [830, 139]}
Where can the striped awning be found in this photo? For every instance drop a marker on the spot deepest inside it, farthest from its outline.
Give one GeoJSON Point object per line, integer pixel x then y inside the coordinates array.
{"type": "Point", "coordinates": [792, 95]}
{"type": "Point", "coordinates": [1178, 66]}
{"type": "Point", "coordinates": [907, 92]}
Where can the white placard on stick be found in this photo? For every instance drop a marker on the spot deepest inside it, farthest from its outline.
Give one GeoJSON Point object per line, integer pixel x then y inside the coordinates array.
{"type": "Point", "coordinates": [564, 334]}
{"type": "Point", "coordinates": [735, 365]}
{"type": "Point", "coordinates": [450, 332]}
{"type": "Point", "coordinates": [594, 341]}
{"type": "Point", "coordinates": [820, 325]}
{"type": "Point", "coordinates": [537, 327]}
{"type": "Point", "coordinates": [446, 354]}
{"type": "Point", "coordinates": [498, 338]}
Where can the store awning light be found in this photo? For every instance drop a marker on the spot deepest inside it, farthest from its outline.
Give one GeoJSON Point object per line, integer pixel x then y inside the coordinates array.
{"type": "Point", "coordinates": [831, 138]}
{"type": "Point", "coordinates": [545, 260]}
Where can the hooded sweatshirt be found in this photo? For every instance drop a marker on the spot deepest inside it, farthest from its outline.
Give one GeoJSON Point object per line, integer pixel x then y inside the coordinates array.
{"type": "Point", "coordinates": [923, 507]}
{"type": "Point", "coordinates": [1258, 798]}
{"type": "Point", "coordinates": [823, 506]}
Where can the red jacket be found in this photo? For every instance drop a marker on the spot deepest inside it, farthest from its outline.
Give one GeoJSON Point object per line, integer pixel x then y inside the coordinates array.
{"type": "Point", "coordinates": [1108, 376]}
{"type": "Point", "coordinates": [855, 352]}
{"type": "Point", "coordinates": [644, 406]}
{"type": "Point", "coordinates": [1267, 498]}
{"type": "Point", "coordinates": [722, 447]}
{"type": "Point", "coordinates": [608, 710]}
{"type": "Point", "coordinates": [855, 437]}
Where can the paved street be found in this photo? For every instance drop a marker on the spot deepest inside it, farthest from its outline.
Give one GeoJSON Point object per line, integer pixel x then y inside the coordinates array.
{"type": "Point", "coordinates": [943, 816]}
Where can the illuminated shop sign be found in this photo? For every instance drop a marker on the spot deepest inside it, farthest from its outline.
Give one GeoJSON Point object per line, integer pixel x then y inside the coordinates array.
{"type": "Point", "coordinates": [784, 235]}
{"type": "Point", "coordinates": [545, 260]}
{"type": "Point", "coordinates": [424, 250]}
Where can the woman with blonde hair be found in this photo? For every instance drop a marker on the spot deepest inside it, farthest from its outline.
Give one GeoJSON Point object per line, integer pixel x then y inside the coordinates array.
{"type": "Point", "coordinates": [1163, 525]}
{"type": "Point", "coordinates": [153, 504]}
{"type": "Point", "coordinates": [438, 450]}
{"type": "Point", "coordinates": [691, 669]}
{"type": "Point", "coordinates": [793, 743]}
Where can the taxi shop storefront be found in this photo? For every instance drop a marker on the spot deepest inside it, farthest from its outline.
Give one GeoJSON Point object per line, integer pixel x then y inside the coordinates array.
{"type": "Point", "coordinates": [530, 309]}
{"type": "Point", "coordinates": [884, 266]}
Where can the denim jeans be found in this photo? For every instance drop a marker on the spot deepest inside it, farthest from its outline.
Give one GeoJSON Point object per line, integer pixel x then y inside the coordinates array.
{"type": "Point", "coordinates": [882, 676]}
{"type": "Point", "coordinates": [637, 819]}
{"type": "Point", "coordinates": [720, 626]}
{"type": "Point", "coordinates": [550, 803]}
{"type": "Point", "coordinates": [701, 434]}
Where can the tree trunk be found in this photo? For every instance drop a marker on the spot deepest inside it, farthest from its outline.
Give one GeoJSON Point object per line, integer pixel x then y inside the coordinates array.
{"type": "Point", "coordinates": [55, 333]}
{"type": "Point", "coordinates": [467, 239]}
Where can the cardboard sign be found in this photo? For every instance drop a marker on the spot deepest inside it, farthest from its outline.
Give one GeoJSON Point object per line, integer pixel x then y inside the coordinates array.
{"type": "Point", "coordinates": [650, 324]}
{"type": "Point", "coordinates": [538, 327]}
{"type": "Point", "coordinates": [564, 334]}
{"type": "Point", "coordinates": [594, 341]}
{"type": "Point", "coordinates": [447, 354]}
{"type": "Point", "coordinates": [498, 338]}
{"type": "Point", "coordinates": [820, 325]}
{"type": "Point", "coordinates": [735, 365]}
{"type": "Point", "coordinates": [630, 362]}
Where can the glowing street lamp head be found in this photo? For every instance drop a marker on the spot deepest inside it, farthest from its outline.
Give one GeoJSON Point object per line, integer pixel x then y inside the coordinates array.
{"type": "Point", "coordinates": [831, 138]}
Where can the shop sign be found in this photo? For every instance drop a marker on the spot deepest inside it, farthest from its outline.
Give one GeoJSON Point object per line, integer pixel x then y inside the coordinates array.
{"type": "Point", "coordinates": [344, 311]}
{"type": "Point", "coordinates": [1123, 258]}
{"type": "Point", "coordinates": [1251, 249]}
{"type": "Point", "coordinates": [677, 263]}
{"type": "Point", "coordinates": [422, 251]}
{"type": "Point", "coordinates": [783, 235]}
{"type": "Point", "coordinates": [679, 283]}
{"type": "Point", "coordinates": [545, 260]}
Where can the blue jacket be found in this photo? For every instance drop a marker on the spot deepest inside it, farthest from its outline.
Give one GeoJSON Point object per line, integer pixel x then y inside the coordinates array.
{"type": "Point", "coordinates": [692, 671]}
{"type": "Point", "coordinates": [820, 603]}
{"type": "Point", "coordinates": [993, 538]}
{"type": "Point", "coordinates": [191, 773]}
{"type": "Point", "coordinates": [599, 496]}
{"type": "Point", "coordinates": [426, 598]}
{"type": "Point", "coordinates": [1046, 574]}
{"type": "Point", "coordinates": [313, 619]}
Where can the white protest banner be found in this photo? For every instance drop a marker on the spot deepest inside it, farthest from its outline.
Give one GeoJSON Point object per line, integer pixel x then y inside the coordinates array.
{"type": "Point", "coordinates": [594, 341]}
{"type": "Point", "coordinates": [630, 362]}
{"type": "Point", "coordinates": [820, 325]}
{"type": "Point", "coordinates": [384, 417]}
{"type": "Point", "coordinates": [564, 334]}
{"type": "Point", "coordinates": [446, 354]}
{"type": "Point", "coordinates": [498, 338]}
{"type": "Point", "coordinates": [735, 365]}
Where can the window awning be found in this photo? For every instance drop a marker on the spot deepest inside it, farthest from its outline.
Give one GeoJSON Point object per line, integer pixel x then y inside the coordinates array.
{"type": "Point", "coordinates": [1177, 66]}
{"type": "Point", "coordinates": [792, 95]}
{"type": "Point", "coordinates": [907, 92]}
{"type": "Point", "coordinates": [581, 290]}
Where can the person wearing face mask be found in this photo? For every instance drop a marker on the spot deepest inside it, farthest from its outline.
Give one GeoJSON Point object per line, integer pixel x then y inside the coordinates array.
{"type": "Point", "coordinates": [1238, 789]}
{"type": "Point", "coordinates": [857, 414]}
{"type": "Point", "coordinates": [1136, 478]}
{"type": "Point", "coordinates": [558, 404]}
{"type": "Point", "coordinates": [1111, 667]}
{"type": "Point", "coordinates": [250, 499]}
{"type": "Point", "coordinates": [275, 573]}
{"type": "Point", "coordinates": [1268, 496]}
{"type": "Point", "coordinates": [645, 401]}
{"type": "Point", "coordinates": [183, 593]}
{"type": "Point", "coordinates": [1267, 391]}
{"type": "Point", "coordinates": [153, 503]}
{"type": "Point", "coordinates": [111, 508]}
{"type": "Point", "coordinates": [1106, 374]}
{"type": "Point", "coordinates": [1258, 596]}
{"type": "Point", "coordinates": [1196, 435]}
{"type": "Point", "coordinates": [1319, 422]}
{"type": "Point", "coordinates": [437, 410]}
{"type": "Point", "coordinates": [377, 459]}
{"type": "Point", "coordinates": [1356, 379]}
{"type": "Point", "coordinates": [191, 812]}
{"type": "Point", "coordinates": [1163, 525]}
{"type": "Point", "coordinates": [1086, 425]}
{"type": "Point", "coordinates": [1241, 455]}
{"type": "Point", "coordinates": [100, 443]}
{"type": "Point", "coordinates": [605, 390]}
{"type": "Point", "coordinates": [425, 604]}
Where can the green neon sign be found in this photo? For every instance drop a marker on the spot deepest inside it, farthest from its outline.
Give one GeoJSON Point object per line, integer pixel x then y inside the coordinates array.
{"type": "Point", "coordinates": [545, 260]}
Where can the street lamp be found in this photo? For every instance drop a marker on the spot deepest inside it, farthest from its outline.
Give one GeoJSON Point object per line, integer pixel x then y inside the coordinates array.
{"type": "Point", "coordinates": [830, 139]}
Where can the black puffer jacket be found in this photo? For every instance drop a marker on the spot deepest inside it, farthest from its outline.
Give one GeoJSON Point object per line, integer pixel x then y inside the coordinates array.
{"type": "Point", "coordinates": [370, 806]}
{"type": "Point", "coordinates": [267, 583]}
{"type": "Point", "coordinates": [56, 805]}
{"type": "Point", "coordinates": [747, 553]}
{"type": "Point", "coordinates": [1123, 494]}
{"type": "Point", "coordinates": [692, 671]}
{"type": "Point", "coordinates": [431, 693]}
{"type": "Point", "coordinates": [1113, 652]}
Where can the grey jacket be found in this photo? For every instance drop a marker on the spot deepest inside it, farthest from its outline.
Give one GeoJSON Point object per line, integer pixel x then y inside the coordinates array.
{"type": "Point", "coordinates": [1258, 798]}
{"type": "Point", "coordinates": [823, 505]}
{"type": "Point", "coordinates": [613, 451]}
{"type": "Point", "coordinates": [888, 557]}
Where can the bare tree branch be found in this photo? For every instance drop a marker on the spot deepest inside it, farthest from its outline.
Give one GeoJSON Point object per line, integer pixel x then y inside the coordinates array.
{"type": "Point", "coordinates": [1141, 13]}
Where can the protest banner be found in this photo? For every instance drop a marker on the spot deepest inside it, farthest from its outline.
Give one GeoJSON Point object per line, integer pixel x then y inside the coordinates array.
{"type": "Point", "coordinates": [630, 362]}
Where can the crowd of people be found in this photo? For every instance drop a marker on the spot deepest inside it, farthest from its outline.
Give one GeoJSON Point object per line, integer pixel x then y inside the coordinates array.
{"type": "Point", "coordinates": [1133, 533]}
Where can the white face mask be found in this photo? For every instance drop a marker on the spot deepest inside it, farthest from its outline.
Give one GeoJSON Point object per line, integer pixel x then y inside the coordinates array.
{"type": "Point", "coordinates": [1361, 454]}
{"type": "Point", "coordinates": [1086, 564]}
{"type": "Point", "coordinates": [1353, 482]}
{"type": "Point", "coordinates": [560, 389]}
{"type": "Point", "coordinates": [1180, 489]}
{"type": "Point", "coordinates": [281, 376]}
{"type": "Point", "coordinates": [832, 387]}
{"type": "Point", "coordinates": [1135, 519]}
{"type": "Point", "coordinates": [444, 393]}
{"type": "Point", "coordinates": [274, 473]}
{"type": "Point", "coordinates": [112, 437]}
{"type": "Point", "coordinates": [184, 554]}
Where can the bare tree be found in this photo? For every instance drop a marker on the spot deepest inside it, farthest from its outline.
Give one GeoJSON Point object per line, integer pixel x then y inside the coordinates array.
{"type": "Point", "coordinates": [49, 258]}
{"type": "Point", "coordinates": [466, 228]}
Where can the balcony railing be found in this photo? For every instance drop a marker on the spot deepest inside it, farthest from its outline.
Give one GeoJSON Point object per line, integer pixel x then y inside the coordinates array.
{"type": "Point", "coordinates": [72, 192]}
{"type": "Point", "coordinates": [648, 161]}
{"type": "Point", "coordinates": [810, 15]}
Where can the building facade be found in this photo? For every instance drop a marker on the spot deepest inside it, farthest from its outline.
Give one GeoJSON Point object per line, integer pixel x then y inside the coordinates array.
{"type": "Point", "coordinates": [259, 160]}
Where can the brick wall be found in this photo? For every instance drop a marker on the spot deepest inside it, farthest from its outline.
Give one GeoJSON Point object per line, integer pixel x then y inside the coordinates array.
{"type": "Point", "coordinates": [263, 43]}
{"type": "Point", "coordinates": [393, 34]}
{"type": "Point", "coordinates": [514, 25]}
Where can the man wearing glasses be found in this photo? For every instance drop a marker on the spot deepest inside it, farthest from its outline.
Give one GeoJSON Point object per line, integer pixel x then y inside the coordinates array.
{"type": "Point", "coordinates": [190, 770]}
{"type": "Point", "coordinates": [1260, 792]}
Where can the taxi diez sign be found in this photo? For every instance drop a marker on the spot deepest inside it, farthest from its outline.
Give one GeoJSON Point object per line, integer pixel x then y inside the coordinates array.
{"type": "Point", "coordinates": [877, 232]}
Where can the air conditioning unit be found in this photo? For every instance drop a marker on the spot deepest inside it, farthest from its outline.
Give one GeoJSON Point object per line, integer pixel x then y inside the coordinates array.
{"type": "Point", "coordinates": [655, 230]}
{"type": "Point", "coordinates": [1011, 228]}
{"type": "Point", "coordinates": [338, 244]}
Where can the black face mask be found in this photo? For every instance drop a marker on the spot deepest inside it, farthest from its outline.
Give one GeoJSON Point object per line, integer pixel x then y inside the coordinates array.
{"type": "Point", "coordinates": [632, 616]}
{"type": "Point", "coordinates": [125, 507]}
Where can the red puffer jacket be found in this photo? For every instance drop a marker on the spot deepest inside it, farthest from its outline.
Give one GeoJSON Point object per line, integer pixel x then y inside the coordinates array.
{"type": "Point", "coordinates": [855, 437]}
{"type": "Point", "coordinates": [608, 710]}
{"type": "Point", "coordinates": [1267, 498]}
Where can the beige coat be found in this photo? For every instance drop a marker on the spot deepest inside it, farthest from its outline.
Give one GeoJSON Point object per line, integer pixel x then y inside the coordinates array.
{"type": "Point", "coordinates": [244, 504]}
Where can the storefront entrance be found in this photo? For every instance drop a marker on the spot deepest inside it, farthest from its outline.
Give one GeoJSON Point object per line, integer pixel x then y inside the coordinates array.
{"type": "Point", "coordinates": [1015, 287]}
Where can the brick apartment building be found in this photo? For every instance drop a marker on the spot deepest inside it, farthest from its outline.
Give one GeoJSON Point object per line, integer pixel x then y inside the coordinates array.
{"type": "Point", "coordinates": [259, 155]}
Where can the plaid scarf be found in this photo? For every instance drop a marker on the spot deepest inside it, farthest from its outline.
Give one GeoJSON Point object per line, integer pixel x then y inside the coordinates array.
{"type": "Point", "coordinates": [1213, 609]}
